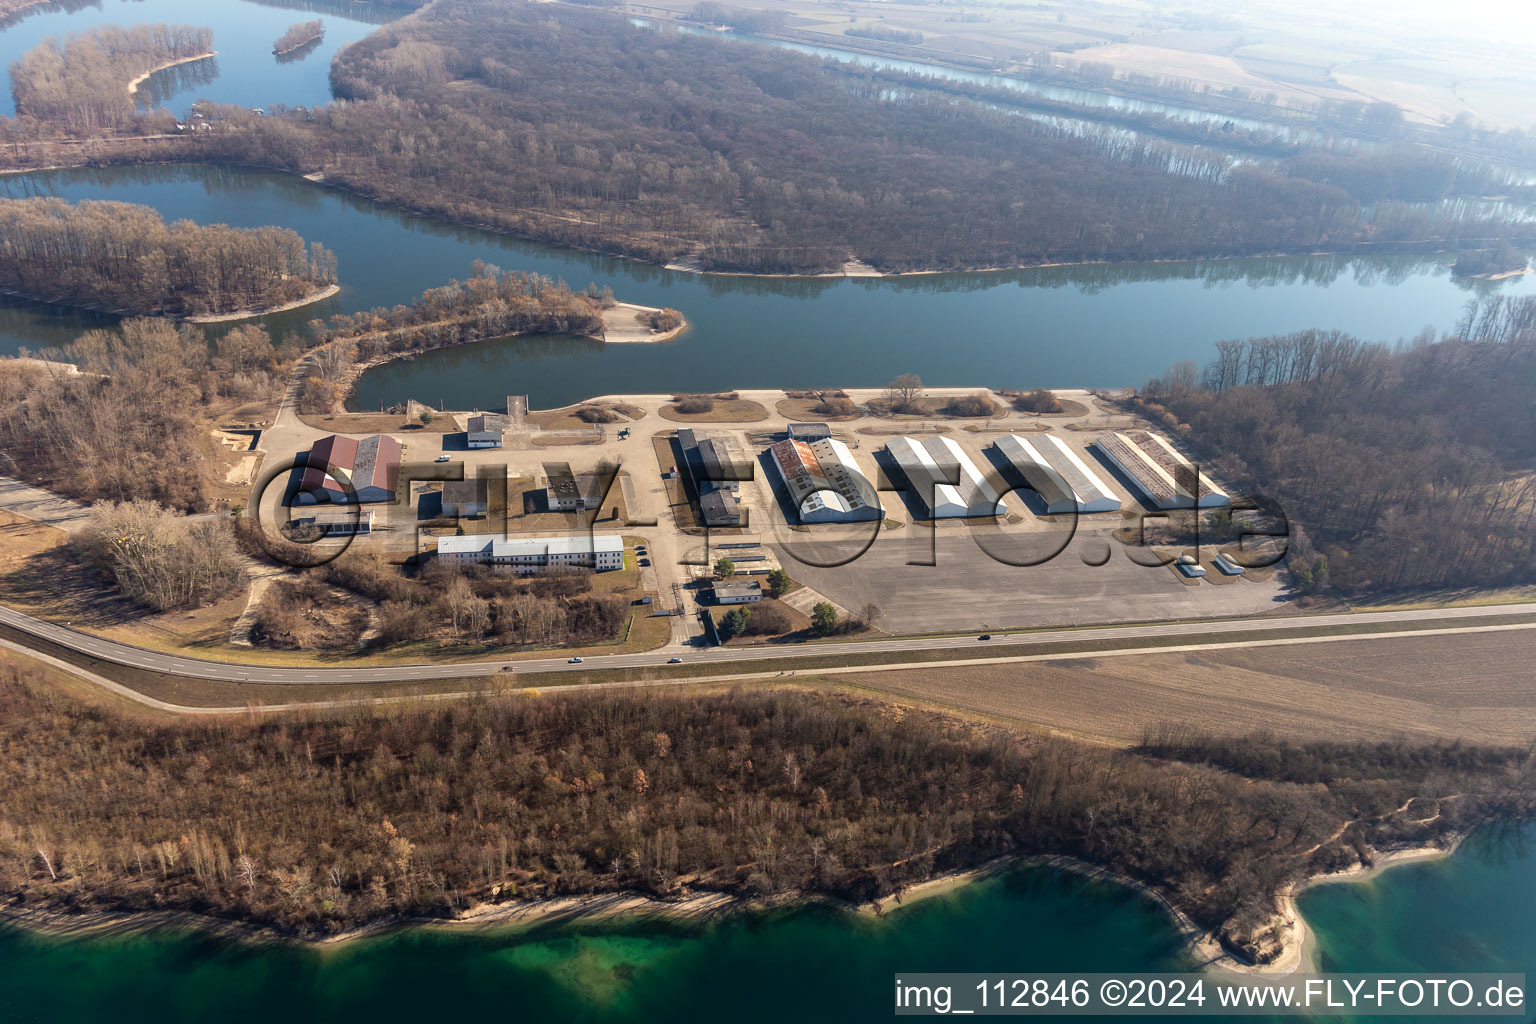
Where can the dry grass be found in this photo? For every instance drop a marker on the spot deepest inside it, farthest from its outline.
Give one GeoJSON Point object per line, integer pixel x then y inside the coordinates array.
{"type": "Point", "coordinates": [1477, 687]}
{"type": "Point", "coordinates": [803, 409]}
{"type": "Point", "coordinates": [379, 423]}
{"type": "Point", "coordinates": [726, 410]}
{"type": "Point", "coordinates": [569, 418]}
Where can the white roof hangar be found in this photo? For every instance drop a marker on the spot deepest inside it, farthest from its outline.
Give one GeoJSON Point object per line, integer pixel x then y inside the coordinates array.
{"type": "Point", "coordinates": [1063, 481]}
{"type": "Point", "coordinates": [947, 482]}
{"type": "Point", "coordinates": [823, 481]}
{"type": "Point", "coordinates": [1159, 472]}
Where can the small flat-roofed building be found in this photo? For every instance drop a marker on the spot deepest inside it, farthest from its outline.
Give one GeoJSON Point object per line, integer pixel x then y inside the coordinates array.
{"type": "Point", "coordinates": [809, 431]}
{"type": "Point", "coordinates": [336, 522]}
{"type": "Point", "coordinates": [931, 466]}
{"type": "Point", "coordinates": [720, 508]}
{"type": "Point", "coordinates": [371, 464]}
{"type": "Point", "coordinates": [565, 491]}
{"type": "Point", "coordinates": [466, 499]}
{"type": "Point", "coordinates": [823, 481]}
{"type": "Point", "coordinates": [529, 555]}
{"type": "Point", "coordinates": [1158, 472]}
{"type": "Point", "coordinates": [1065, 484]}
{"type": "Point", "coordinates": [485, 430]}
{"type": "Point", "coordinates": [735, 591]}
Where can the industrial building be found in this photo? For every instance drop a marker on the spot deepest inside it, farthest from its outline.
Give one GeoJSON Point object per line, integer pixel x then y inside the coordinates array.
{"type": "Point", "coordinates": [709, 465]}
{"type": "Point", "coordinates": [485, 430]}
{"type": "Point", "coordinates": [529, 555]}
{"type": "Point", "coordinates": [720, 508]}
{"type": "Point", "coordinates": [737, 591]}
{"type": "Point", "coordinates": [372, 465]}
{"type": "Point", "coordinates": [944, 480]}
{"type": "Point", "coordinates": [466, 499]}
{"type": "Point", "coordinates": [823, 481]}
{"type": "Point", "coordinates": [809, 431]}
{"type": "Point", "coordinates": [1164, 478]}
{"type": "Point", "coordinates": [1064, 482]}
{"type": "Point", "coordinates": [336, 522]}
{"type": "Point", "coordinates": [565, 491]}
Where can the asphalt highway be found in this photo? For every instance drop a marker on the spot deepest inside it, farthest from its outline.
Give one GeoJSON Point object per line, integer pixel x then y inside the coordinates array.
{"type": "Point", "coordinates": [198, 668]}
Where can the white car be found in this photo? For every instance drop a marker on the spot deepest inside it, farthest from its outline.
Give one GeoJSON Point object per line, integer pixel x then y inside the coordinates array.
{"type": "Point", "coordinates": [674, 661]}
{"type": "Point", "coordinates": [573, 661]}
{"type": "Point", "coordinates": [441, 458]}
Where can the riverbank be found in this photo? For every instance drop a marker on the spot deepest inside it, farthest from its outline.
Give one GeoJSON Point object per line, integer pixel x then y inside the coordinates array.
{"type": "Point", "coordinates": [701, 907]}
{"type": "Point", "coordinates": [246, 314]}
{"type": "Point", "coordinates": [133, 86]}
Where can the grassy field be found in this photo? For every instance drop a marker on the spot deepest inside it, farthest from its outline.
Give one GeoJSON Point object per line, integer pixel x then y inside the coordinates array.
{"type": "Point", "coordinates": [1476, 687]}
{"type": "Point", "coordinates": [726, 410]}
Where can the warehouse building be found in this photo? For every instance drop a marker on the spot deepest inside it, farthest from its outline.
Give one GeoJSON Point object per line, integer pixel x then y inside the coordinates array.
{"type": "Point", "coordinates": [565, 491]}
{"type": "Point", "coordinates": [466, 499]}
{"type": "Point", "coordinates": [809, 431]}
{"type": "Point", "coordinates": [709, 463]}
{"type": "Point", "coordinates": [944, 480]}
{"type": "Point", "coordinates": [485, 430]}
{"type": "Point", "coordinates": [336, 522]}
{"type": "Point", "coordinates": [823, 481]}
{"type": "Point", "coordinates": [372, 465]}
{"type": "Point", "coordinates": [720, 508]}
{"type": "Point", "coordinates": [737, 591]}
{"type": "Point", "coordinates": [528, 555]}
{"type": "Point", "coordinates": [1064, 482]}
{"type": "Point", "coordinates": [1163, 477]}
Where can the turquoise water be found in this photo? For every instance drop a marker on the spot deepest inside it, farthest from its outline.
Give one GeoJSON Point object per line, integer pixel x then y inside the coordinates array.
{"type": "Point", "coordinates": [812, 964]}
{"type": "Point", "coordinates": [1475, 911]}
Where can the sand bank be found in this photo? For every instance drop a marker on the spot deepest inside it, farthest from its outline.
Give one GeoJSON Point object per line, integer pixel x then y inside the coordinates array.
{"type": "Point", "coordinates": [133, 86]}
{"type": "Point", "coordinates": [246, 314]}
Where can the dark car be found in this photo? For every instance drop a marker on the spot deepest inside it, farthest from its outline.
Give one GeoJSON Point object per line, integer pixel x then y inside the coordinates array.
{"type": "Point", "coordinates": [985, 636]}
{"type": "Point", "coordinates": [645, 561]}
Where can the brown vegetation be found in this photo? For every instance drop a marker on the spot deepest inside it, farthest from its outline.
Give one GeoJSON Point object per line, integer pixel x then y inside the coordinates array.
{"type": "Point", "coordinates": [159, 558]}
{"type": "Point", "coordinates": [304, 615]}
{"type": "Point", "coordinates": [663, 320]}
{"type": "Point", "coordinates": [107, 433]}
{"type": "Point", "coordinates": [1405, 468]}
{"type": "Point", "coordinates": [972, 405]}
{"type": "Point", "coordinates": [79, 84]}
{"type": "Point", "coordinates": [1038, 400]}
{"type": "Point", "coordinates": [125, 258]}
{"type": "Point", "coordinates": [748, 793]}
{"type": "Point", "coordinates": [300, 33]}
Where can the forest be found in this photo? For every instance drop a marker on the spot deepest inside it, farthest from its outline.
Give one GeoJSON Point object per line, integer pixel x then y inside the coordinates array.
{"type": "Point", "coordinates": [300, 33]}
{"type": "Point", "coordinates": [81, 83]}
{"type": "Point", "coordinates": [124, 258]}
{"type": "Point", "coordinates": [671, 147]}
{"type": "Point", "coordinates": [314, 824]}
{"type": "Point", "coordinates": [1399, 468]}
{"type": "Point", "coordinates": [105, 434]}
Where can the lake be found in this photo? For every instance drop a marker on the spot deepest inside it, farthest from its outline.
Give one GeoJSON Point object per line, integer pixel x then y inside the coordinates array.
{"type": "Point", "coordinates": [1108, 325]}
{"type": "Point", "coordinates": [244, 73]}
{"type": "Point", "coordinates": [1474, 911]}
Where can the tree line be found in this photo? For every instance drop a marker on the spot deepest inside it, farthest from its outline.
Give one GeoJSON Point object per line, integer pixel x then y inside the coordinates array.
{"type": "Point", "coordinates": [81, 83]}
{"type": "Point", "coordinates": [155, 557]}
{"type": "Point", "coordinates": [490, 303]}
{"type": "Point", "coordinates": [1399, 468]}
{"type": "Point", "coordinates": [664, 146]}
{"type": "Point", "coordinates": [299, 34]}
{"type": "Point", "coordinates": [124, 257]}
{"type": "Point", "coordinates": [312, 824]}
{"type": "Point", "coordinates": [106, 434]}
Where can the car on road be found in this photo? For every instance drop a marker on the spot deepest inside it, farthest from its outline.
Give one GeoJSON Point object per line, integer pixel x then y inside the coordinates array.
{"type": "Point", "coordinates": [442, 458]}
{"type": "Point", "coordinates": [674, 661]}
{"type": "Point", "coordinates": [985, 636]}
{"type": "Point", "coordinates": [574, 661]}
{"type": "Point", "coordinates": [508, 668]}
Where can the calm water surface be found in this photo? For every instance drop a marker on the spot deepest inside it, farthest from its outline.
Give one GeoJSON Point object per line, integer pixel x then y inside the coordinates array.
{"type": "Point", "coordinates": [1091, 326]}
{"type": "Point", "coordinates": [244, 73]}
{"type": "Point", "coordinates": [1475, 911]}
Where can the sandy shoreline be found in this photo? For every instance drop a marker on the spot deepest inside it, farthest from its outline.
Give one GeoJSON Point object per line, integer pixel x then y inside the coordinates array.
{"type": "Point", "coordinates": [246, 314]}
{"type": "Point", "coordinates": [133, 86]}
{"type": "Point", "coordinates": [698, 907]}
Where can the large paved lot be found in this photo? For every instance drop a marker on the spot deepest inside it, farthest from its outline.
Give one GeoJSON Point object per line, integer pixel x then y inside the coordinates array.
{"type": "Point", "coordinates": [1471, 686]}
{"type": "Point", "coordinates": [967, 589]}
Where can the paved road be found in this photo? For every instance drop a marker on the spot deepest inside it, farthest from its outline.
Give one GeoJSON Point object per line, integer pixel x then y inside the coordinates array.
{"type": "Point", "coordinates": [197, 668]}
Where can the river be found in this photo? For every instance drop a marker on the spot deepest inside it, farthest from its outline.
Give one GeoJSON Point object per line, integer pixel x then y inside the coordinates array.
{"type": "Point", "coordinates": [1093, 326]}
{"type": "Point", "coordinates": [1099, 326]}
{"type": "Point", "coordinates": [1474, 911]}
